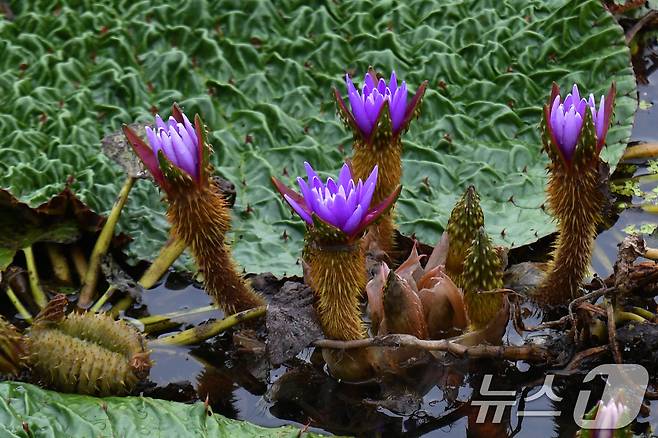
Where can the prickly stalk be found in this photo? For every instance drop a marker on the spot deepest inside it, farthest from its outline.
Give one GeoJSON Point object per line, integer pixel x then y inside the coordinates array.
{"type": "Point", "coordinates": [483, 273]}
{"type": "Point", "coordinates": [12, 348]}
{"type": "Point", "coordinates": [337, 275]}
{"type": "Point", "coordinates": [201, 219]}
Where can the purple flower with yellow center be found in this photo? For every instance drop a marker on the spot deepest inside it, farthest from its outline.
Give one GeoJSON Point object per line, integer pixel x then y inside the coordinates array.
{"type": "Point", "coordinates": [566, 119]}
{"type": "Point", "coordinates": [172, 145]}
{"type": "Point", "coordinates": [342, 204]}
{"type": "Point", "coordinates": [375, 99]}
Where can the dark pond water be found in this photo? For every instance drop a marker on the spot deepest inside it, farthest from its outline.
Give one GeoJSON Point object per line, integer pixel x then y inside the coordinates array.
{"type": "Point", "coordinates": [435, 400]}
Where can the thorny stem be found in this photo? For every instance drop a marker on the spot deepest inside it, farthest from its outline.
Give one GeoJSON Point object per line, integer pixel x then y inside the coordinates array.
{"type": "Point", "coordinates": [160, 322]}
{"type": "Point", "coordinates": [18, 305]}
{"type": "Point", "coordinates": [59, 263]}
{"type": "Point", "coordinates": [208, 330]}
{"type": "Point", "coordinates": [33, 275]}
{"type": "Point", "coordinates": [532, 353]}
{"type": "Point", "coordinates": [102, 244]}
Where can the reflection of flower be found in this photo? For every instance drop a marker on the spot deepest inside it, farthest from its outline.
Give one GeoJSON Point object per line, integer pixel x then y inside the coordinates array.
{"type": "Point", "coordinates": [608, 417]}
{"type": "Point", "coordinates": [566, 118]}
{"type": "Point", "coordinates": [344, 205]}
{"type": "Point", "coordinates": [178, 141]}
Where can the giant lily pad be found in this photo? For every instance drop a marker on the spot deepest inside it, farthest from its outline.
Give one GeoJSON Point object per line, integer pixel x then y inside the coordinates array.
{"type": "Point", "coordinates": [29, 411]}
{"type": "Point", "coordinates": [260, 73]}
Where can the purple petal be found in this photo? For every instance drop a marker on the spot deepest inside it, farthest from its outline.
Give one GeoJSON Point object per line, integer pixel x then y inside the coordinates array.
{"type": "Point", "coordinates": [369, 189]}
{"type": "Point", "coordinates": [153, 140]}
{"type": "Point", "coordinates": [568, 102]}
{"type": "Point", "coordinates": [368, 85]}
{"type": "Point", "coordinates": [381, 86]}
{"type": "Point", "coordinates": [558, 126]}
{"type": "Point", "coordinates": [399, 106]}
{"type": "Point", "coordinates": [572, 125]}
{"type": "Point", "coordinates": [190, 130]}
{"type": "Point", "coordinates": [393, 82]}
{"type": "Point", "coordinates": [340, 208]}
{"type": "Point", "coordinates": [331, 186]}
{"type": "Point", "coordinates": [353, 222]}
{"type": "Point", "coordinates": [344, 177]}
{"type": "Point", "coordinates": [554, 113]}
{"type": "Point", "coordinates": [188, 141]}
{"type": "Point", "coordinates": [310, 174]}
{"type": "Point", "coordinates": [159, 123]}
{"type": "Point", "coordinates": [171, 123]}
{"type": "Point", "coordinates": [298, 209]}
{"type": "Point", "coordinates": [352, 200]}
{"type": "Point", "coordinates": [307, 193]}
{"type": "Point", "coordinates": [599, 119]}
{"type": "Point", "coordinates": [168, 148]}
{"type": "Point", "coordinates": [356, 104]}
{"type": "Point", "coordinates": [575, 94]}
{"type": "Point", "coordinates": [581, 107]}
{"type": "Point", "coordinates": [325, 213]}
{"type": "Point", "coordinates": [183, 154]}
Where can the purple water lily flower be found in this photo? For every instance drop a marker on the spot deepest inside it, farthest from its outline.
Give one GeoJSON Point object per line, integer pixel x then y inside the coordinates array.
{"type": "Point", "coordinates": [565, 118]}
{"type": "Point", "coordinates": [343, 204]}
{"type": "Point", "coordinates": [375, 97]}
{"type": "Point", "coordinates": [367, 104]}
{"type": "Point", "coordinates": [179, 140]}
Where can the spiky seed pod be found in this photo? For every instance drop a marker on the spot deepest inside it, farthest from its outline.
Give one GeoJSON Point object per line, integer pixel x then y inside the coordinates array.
{"type": "Point", "coordinates": [382, 147]}
{"type": "Point", "coordinates": [12, 348]}
{"type": "Point", "coordinates": [337, 275]}
{"type": "Point", "coordinates": [576, 197]}
{"type": "Point", "coordinates": [483, 272]}
{"type": "Point", "coordinates": [88, 354]}
{"type": "Point", "coordinates": [465, 220]}
{"type": "Point", "coordinates": [70, 364]}
{"type": "Point", "coordinates": [197, 209]}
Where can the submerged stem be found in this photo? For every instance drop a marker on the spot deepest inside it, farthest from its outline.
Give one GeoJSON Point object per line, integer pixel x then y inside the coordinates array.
{"type": "Point", "coordinates": [103, 299]}
{"type": "Point", "coordinates": [33, 275]}
{"type": "Point", "coordinates": [155, 323]}
{"type": "Point", "coordinates": [102, 244]}
{"type": "Point", "coordinates": [18, 305]}
{"type": "Point", "coordinates": [208, 330]}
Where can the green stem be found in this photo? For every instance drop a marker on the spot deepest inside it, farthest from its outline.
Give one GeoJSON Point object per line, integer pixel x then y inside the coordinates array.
{"type": "Point", "coordinates": [208, 330]}
{"type": "Point", "coordinates": [168, 255]}
{"type": "Point", "coordinates": [643, 313]}
{"type": "Point", "coordinates": [156, 323]}
{"type": "Point", "coordinates": [621, 316]}
{"type": "Point", "coordinates": [103, 299]}
{"type": "Point", "coordinates": [59, 263]}
{"type": "Point", "coordinates": [18, 305]}
{"type": "Point", "coordinates": [79, 262]}
{"type": "Point", "coordinates": [102, 244]}
{"type": "Point", "coordinates": [33, 275]}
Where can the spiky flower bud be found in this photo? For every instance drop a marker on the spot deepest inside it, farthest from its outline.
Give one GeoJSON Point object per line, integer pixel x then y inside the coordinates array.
{"type": "Point", "coordinates": [465, 220]}
{"type": "Point", "coordinates": [483, 274]}
{"type": "Point", "coordinates": [379, 114]}
{"type": "Point", "coordinates": [574, 133]}
{"type": "Point", "coordinates": [88, 354]}
{"type": "Point", "coordinates": [178, 159]}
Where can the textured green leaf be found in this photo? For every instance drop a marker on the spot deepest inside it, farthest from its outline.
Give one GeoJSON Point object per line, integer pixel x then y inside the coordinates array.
{"type": "Point", "coordinates": [50, 414]}
{"type": "Point", "coordinates": [260, 73]}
